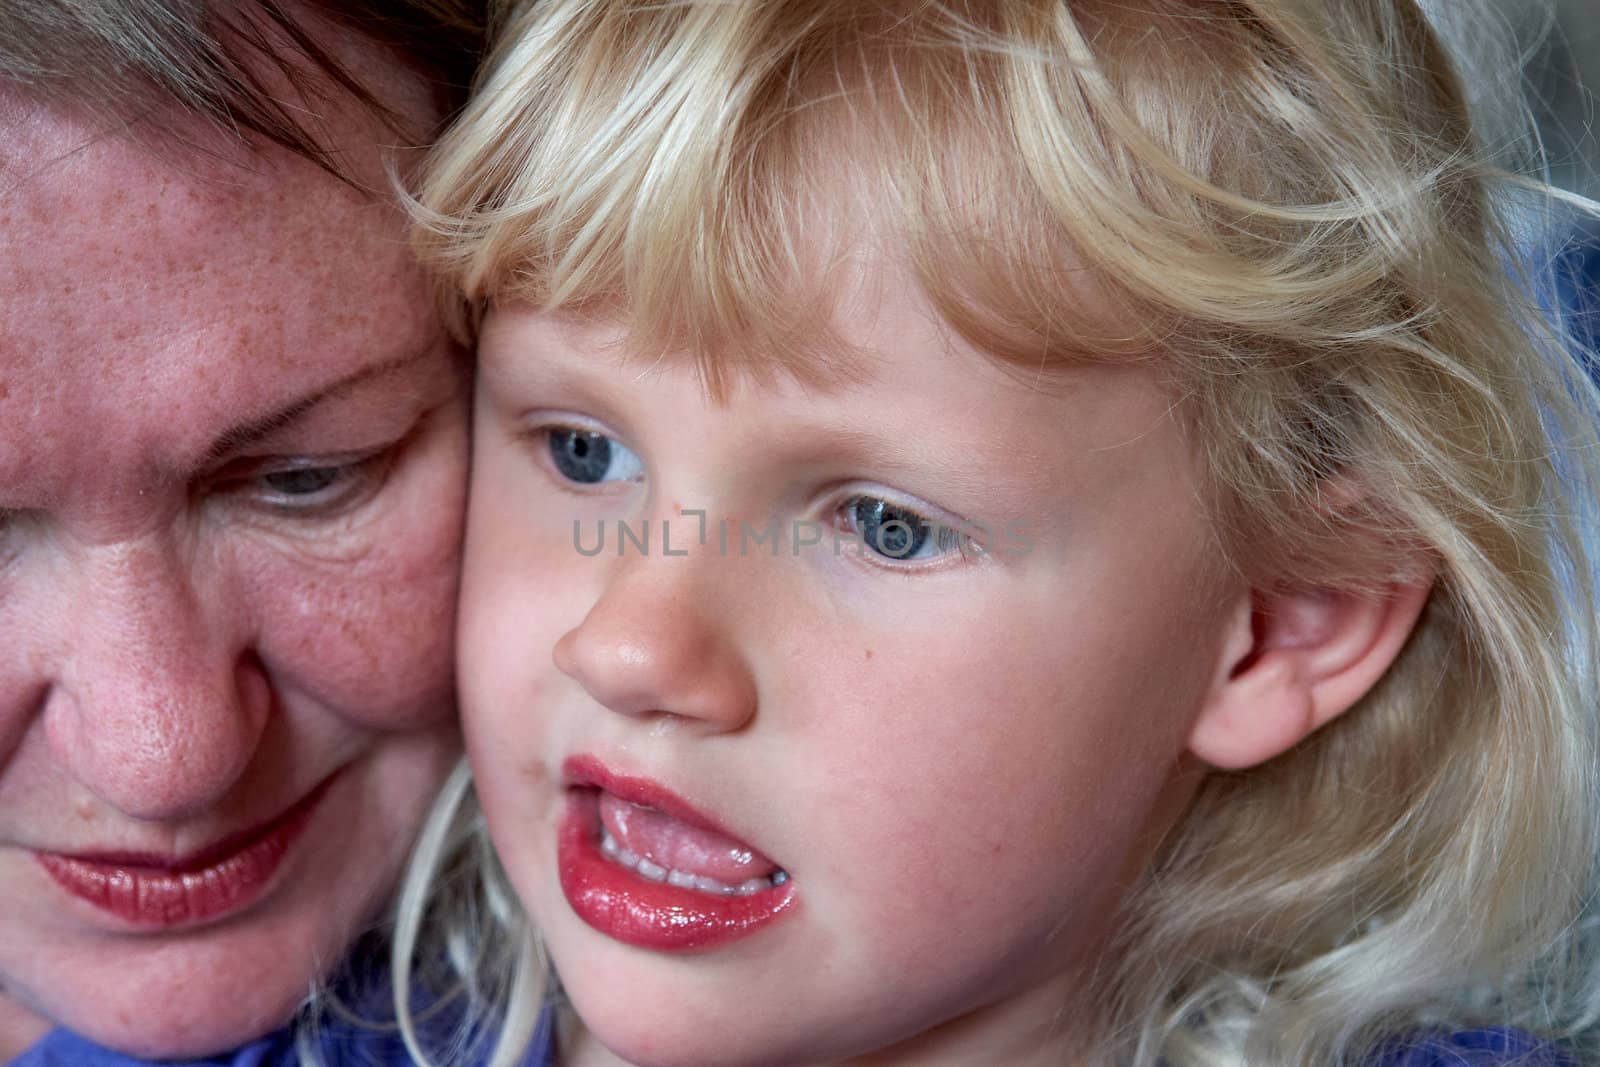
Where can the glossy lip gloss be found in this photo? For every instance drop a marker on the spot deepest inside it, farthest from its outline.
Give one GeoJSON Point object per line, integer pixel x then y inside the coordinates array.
{"type": "Point", "coordinates": [161, 892]}
{"type": "Point", "coordinates": [630, 908]}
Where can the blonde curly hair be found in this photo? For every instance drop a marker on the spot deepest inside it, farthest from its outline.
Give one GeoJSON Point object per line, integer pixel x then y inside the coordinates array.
{"type": "Point", "coordinates": [1283, 206]}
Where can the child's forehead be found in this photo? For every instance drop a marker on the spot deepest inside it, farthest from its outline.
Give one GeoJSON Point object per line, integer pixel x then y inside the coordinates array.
{"type": "Point", "coordinates": [861, 353]}
{"type": "Point", "coordinates": [858, 315]}
{"type": "Point", "coordinates": [922, 396]}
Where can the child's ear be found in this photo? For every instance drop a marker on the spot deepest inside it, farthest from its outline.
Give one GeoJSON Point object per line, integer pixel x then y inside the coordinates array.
{"type": "Point", "coordinates": [1294, 659]}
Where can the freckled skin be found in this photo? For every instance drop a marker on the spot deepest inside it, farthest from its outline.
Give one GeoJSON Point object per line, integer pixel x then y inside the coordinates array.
{"type": "Point", "coordinates": [184, 656]}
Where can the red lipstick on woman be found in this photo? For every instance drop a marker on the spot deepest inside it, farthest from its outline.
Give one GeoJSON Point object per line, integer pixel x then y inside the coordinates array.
{"type": "Point", "coordinates": [157, 891]}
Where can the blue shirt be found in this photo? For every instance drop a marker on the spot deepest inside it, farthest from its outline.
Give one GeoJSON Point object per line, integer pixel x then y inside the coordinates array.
{"type": "Point", "coordinates": [344, 1048]}
{"type": "Point", "coordinates": [351, 1047]}
{"type": "Point", "coordinates": [1577, 271]}
{"type": "Point", "coordinates": [341, 1045]}
{"type": "Point", "coordinates": [1474, 1048]}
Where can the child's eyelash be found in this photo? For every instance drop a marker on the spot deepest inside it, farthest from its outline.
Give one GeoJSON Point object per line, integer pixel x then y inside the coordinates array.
{"type": "Point", "coordinates": [899, 533]}
{"type": "Point", "coordinates": [583, 455]}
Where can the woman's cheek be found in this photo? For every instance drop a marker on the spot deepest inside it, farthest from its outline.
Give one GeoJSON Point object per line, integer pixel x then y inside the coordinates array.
{"type": "Point", "coordinates": [365, 625]}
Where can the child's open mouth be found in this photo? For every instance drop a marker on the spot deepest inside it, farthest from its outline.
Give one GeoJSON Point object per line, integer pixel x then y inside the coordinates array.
{"type": "Point", "coordinates": [638, 865]}
{"type": "Point", "coordinates": [660, 848]}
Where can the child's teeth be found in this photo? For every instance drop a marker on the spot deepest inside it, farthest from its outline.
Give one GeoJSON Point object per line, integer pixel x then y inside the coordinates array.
{"type": "Point", "coordinates": [683, 879]}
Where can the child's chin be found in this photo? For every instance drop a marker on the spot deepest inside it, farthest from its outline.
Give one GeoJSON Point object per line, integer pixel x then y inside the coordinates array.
{"type": "Point", "coordinates": [663, 1034]}
{"type": "Point", "coordinates": [627, 1041]}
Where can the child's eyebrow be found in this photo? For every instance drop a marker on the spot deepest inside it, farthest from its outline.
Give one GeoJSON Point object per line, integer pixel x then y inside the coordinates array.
{"type": "Point", "coordinates": [960, 467]}
{"type": "Point", "coordinates": [824, 441]}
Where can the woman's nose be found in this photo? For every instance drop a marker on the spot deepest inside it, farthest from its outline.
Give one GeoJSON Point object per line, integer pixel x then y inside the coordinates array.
{"type": "Point", "coordinates": [655, 644]}
{"type": "Point", "coordinates": [157, 708]}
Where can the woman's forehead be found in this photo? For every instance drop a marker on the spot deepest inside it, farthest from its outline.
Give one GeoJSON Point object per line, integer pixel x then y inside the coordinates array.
{"type": "Point", "coordinates": [210, 285]}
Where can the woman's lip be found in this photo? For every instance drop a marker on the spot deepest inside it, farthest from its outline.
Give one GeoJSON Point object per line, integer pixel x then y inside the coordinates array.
{"type": "Point", "coordinates": [654, 915]}
{"type": "Point", "coordinates": [153, 890]}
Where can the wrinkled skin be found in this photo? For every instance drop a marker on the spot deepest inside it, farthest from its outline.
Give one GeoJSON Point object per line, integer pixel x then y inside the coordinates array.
{"type": "Point", "coordinates": [232, 464]}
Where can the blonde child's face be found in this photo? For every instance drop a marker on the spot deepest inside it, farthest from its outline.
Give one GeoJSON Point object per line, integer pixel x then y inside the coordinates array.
{"type": "Point", "coordinates": [932, 771]}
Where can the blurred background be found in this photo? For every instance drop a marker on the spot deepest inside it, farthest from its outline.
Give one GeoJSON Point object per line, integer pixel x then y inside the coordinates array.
{"type": "Point", "coordinates": [1564, 81]}
{"type": "Point", "coordinates": [1550, 58]}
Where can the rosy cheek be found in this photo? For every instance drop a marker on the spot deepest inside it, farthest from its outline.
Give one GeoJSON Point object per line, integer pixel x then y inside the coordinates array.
{"type": "Point", "coordinates": [990, 762]}
{"type": "Point", "coordinates": [523, 587]}
{"type": "Point", "coordinates": [368, 631]}
{"type": "Point", "coordinates": [503, 686]}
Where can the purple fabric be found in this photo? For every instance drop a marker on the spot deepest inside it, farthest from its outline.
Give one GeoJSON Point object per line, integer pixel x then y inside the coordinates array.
{"type": "Point", "coordinates": [1474, 1048]}
{"type": "Point", "coordinates": [363, 983]}
{"type": "Point", "coordinates": [1577, 270]}
{"type": "Point", "coordinates": [341, 1046]}
{"type": "Point", "coordinates": [64, 1049]}
{"type": "Point", "coordinates": [348, 1047]}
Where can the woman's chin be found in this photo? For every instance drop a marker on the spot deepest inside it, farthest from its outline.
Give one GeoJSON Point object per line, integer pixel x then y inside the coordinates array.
{"type": "Point", "coordinates": [180, 1027]}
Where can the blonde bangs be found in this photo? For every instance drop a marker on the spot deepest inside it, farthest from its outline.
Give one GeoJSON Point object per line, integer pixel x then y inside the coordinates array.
{"type": "Point", "coordinates": [705, 172]}
{"type": "Point", "coordinates": [692, 167]}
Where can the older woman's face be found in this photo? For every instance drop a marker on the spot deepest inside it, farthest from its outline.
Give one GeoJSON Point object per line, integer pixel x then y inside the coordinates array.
{"type": "Point", "coordinates": [232, 459]}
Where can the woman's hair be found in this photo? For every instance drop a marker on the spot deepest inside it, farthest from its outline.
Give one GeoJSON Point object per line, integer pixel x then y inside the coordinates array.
{"type": "Point", "coordinates": [133, 59]}
{"type": "Point", "coordinates": [1281, 205]}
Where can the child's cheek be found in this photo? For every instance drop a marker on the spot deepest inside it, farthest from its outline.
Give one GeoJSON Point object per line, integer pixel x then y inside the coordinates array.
{"type": "Point", "coordinates": [522, 587]}
{"type": "Point", "coordinates": [998, 783]}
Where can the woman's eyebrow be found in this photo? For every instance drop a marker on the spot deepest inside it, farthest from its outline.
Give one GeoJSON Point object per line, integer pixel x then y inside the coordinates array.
{"type": "Point", "coordinates": [245, 434]}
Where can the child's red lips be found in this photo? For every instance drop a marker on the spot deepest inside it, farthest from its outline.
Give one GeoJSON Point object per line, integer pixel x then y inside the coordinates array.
{"type": "Point", "coordinates": [663, 848]}
{"type": "Point", "coordinates": [641, 865]}
{"type": "Point", "coordinates": [586, 771]}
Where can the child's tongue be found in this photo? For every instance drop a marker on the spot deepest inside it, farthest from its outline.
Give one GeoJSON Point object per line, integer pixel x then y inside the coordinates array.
{"type": "Point", "coordinates": [661, 839]}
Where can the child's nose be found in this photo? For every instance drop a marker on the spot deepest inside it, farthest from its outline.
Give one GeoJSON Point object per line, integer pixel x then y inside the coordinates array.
{"type": "Point", "coordinates": [654, 644]}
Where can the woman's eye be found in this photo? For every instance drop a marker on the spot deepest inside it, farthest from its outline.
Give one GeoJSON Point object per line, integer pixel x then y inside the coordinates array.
{"type": "Point", "coordinates": [316, 489]}
{"type": "Point", "coordinates": [305, 481]}
{"type": "Point", "coordinates": [896, 532]}
{"type": "Point", "coordinates": [589, 458]}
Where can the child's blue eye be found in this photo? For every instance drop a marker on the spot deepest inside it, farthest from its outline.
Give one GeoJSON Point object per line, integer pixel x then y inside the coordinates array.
{"type": "Point", "coordinates": [589, 458]}
{"type": "Point", "coordinates": [898, 533]}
